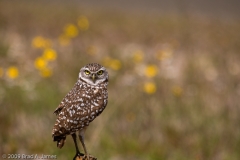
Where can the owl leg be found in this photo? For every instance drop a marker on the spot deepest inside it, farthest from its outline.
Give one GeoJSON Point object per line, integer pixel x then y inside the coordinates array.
{"type": "Point", "coordinates": [81, 137]}
{"type": "Point", "coordinates": [78, 153]}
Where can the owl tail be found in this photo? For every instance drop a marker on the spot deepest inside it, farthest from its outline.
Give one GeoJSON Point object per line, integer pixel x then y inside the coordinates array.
{"type": "Point", "coordinates": [60, 140]}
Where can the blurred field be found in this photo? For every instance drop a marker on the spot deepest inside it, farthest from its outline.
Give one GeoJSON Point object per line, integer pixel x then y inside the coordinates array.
{"type": "Point", "coordinates": [174, 81]}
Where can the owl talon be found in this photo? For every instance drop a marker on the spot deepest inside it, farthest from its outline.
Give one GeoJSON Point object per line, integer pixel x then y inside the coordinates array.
{"type": "Point", "coordinates": [88, 157]}
{"type": "Point", "coordinates": [78, 156]}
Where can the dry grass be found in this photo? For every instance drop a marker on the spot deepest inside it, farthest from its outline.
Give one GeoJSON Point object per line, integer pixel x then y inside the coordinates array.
{"type": "Point", "coordinates": [193, 113]}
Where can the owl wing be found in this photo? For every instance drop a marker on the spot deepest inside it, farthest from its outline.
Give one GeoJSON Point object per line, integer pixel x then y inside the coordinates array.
{"type": "Point", "coordinates": [72, 113]}
{"type": "Point", "coordinates": [58, 109]}
{"type": "Point", "coordinates": [65, 101]}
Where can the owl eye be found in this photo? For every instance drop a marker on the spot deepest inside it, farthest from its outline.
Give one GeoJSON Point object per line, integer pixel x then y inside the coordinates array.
{"type": "Point", "coordinates": [87, 72]}
{"type": "Point", "coordinates": [100, 72]}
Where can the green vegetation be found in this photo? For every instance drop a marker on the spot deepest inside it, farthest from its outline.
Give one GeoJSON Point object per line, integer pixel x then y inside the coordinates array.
{"type": "Point", "coordinates": [174, 81]}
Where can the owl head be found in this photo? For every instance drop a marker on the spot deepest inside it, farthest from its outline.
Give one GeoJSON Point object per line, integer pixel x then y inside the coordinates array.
{"type": "Point", "coordinates": [93, 74]}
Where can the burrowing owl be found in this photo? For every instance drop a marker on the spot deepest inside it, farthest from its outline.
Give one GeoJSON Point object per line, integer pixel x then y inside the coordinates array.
{"type": "Point", "coordinates": [87, 99]}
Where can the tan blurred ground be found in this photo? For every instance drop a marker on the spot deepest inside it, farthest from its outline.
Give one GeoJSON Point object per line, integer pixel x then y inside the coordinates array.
{"type": "Point", "coordinates": [174, 77]}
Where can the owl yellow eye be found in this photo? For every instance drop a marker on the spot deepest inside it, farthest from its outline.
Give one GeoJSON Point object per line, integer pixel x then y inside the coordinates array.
{"type": "Point", "coordinates": [86, 72]}
{"type": "Point", "coordinates": [100, 72]}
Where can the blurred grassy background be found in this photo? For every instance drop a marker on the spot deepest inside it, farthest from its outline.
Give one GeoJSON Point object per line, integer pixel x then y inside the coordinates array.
{"type": "Point", "coordinates": [174, 80]}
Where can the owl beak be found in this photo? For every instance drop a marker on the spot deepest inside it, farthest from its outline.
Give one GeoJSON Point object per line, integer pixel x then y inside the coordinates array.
{"type": "Point", "coordinates": [93, 78]}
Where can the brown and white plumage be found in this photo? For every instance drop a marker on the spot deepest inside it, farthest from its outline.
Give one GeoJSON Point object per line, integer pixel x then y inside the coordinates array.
{"type": "Point", "coordinates": [87, 99]}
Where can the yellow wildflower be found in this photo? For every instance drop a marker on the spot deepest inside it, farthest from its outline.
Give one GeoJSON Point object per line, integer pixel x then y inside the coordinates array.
{"type": "Point", "coordinates": [40, 63]}
{"type": "Point", "coordinates": [164, 54]}
{"type": "Point", "coordinates": [177, 91]}
{"type": "Point", "coordinates": [83, 23]}
{"type": "Point", "coordinates": [40, 42]}
{"type": "Point", "coordinates": [151, 71]}
{"type": "Point", "coordinates": [138, 56]}
{"type": "Point", "coordinates": [114, 64]}
{"type": "Point", "coordinates": [49, 54]}
{"type": "Point", "coordinates": [71, 31]}
{"type": "Point", "coordinates": [12, 72]}
{"type": "Point", "coordinates": [1, 72]}
{"type": "Point", "coordinates": [46, 72]}
{"type": "Point", "coordinates": [91, 50]}
{"type": "Point", "coordinates": [64, 40]}
{"type": "Point", "coordinates": [150, 87]}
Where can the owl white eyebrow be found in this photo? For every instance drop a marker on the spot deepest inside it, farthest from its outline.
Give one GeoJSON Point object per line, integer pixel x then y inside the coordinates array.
{"type": "Point", "coordinates": [98, 70]}
{"type": "Point", "coordinates": [102, 69]}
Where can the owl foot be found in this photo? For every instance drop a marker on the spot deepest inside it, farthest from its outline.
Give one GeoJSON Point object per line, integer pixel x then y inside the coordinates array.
{"type": "Point", "coordinates": [89, 157]}
{"type": "Point", "coordinates": [78, 156]}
